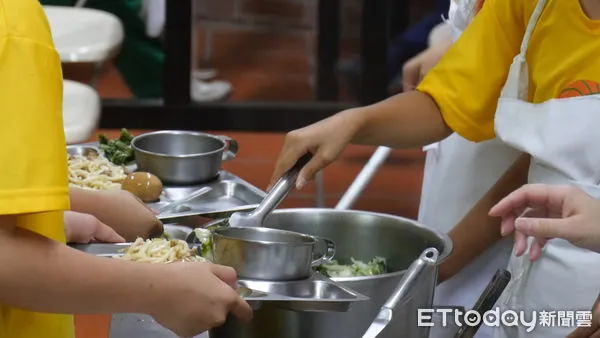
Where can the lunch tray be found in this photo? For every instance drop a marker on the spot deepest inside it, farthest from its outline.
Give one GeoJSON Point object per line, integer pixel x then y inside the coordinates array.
{"type": "Point", "coordinates": [314, 294]}
{"type": "Point", "coordinates": [229, 193]}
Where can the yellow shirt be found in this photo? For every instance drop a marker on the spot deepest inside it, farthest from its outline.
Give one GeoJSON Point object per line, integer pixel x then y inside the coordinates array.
{"type": "Point", "coordinates": [562, 54]}
{"type": "Point", "coordinates": [33, 179]}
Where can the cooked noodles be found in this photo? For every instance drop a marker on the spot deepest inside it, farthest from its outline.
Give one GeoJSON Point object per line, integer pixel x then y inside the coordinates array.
{"type": "Point", "coordinates": [161, 250]}
{"type": "Point", "coordinates": [94, 172]}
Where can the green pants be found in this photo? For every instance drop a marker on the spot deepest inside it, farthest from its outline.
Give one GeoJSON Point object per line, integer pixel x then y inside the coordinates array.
{"type": "Point", "coordinates": [141, 59]}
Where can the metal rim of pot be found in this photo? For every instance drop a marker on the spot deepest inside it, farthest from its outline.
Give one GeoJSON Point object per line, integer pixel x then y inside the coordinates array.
{"type": "Point", "coordinates": [305, 239]}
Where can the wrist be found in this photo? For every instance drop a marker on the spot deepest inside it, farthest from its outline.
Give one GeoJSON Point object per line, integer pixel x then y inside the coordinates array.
{"type": "Point", "coordinates": [357, 120]}
{"type": "Point", "coordinates": [145, 289]}
{"type": "Point", "coordinates": [158, 290]}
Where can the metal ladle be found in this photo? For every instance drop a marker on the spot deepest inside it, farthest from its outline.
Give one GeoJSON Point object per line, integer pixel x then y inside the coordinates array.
{"type": "Point", "coordinates": [279, 192]}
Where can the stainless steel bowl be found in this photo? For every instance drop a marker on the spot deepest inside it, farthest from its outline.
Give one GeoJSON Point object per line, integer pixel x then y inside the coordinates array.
{"type": "Point", "coordinates": [269, 254]}
{"type": "Point", "coordinates": [182, 157]}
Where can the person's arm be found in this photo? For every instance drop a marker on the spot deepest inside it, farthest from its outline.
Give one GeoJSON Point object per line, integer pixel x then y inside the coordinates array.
{"type": "Point", "coordinates": [43, 275]}
{"type": "Point", "coordinates": [119, 209]}
{"type": "Point", "coordinates": [478, 231]}
{"type": "Point", "coordinates": [459, 94]}
{"type": "Point", "coordinates": [37, 271]}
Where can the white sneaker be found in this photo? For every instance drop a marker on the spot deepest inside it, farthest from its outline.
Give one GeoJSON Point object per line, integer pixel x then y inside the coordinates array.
{"type": "Point", "coordinates": [204, 74]}
{"type": "Point", "coordinates": [210, 91]}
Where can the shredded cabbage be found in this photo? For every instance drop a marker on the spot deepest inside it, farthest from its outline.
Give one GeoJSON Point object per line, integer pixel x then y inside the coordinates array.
{"type": "Point", "coordinates": [205, 237]}
{"type": "Point", "coordinates": [376, 266]}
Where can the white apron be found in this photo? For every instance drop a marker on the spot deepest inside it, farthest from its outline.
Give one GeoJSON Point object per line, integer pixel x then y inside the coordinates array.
{"type": "Point", "coordinates": [461, 171]}
{"type": "Point", "coordinates": [562, 136]}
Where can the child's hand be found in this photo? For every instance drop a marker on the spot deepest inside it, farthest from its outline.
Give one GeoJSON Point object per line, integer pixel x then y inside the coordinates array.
{"type": "Point", "coordinates": [549, 211]}
{"type": "Point", "coordinates": [119, 209]}
{"type": "Point", "coordinates": [84, 228]}
{"type": "Point", "coordinates": [128, 215]}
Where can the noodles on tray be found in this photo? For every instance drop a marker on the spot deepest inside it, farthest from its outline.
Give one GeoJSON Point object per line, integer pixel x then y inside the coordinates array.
{"type": "Point", "coordinates": [160, 250]}
{"type": "Point", "coordinates": [94, 172]}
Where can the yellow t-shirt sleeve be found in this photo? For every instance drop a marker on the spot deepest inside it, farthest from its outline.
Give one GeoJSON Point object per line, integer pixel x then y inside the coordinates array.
{"type": "Point", "coordinates": [32, 141]}
{"type": "Point", "coordinates": [467, 82]}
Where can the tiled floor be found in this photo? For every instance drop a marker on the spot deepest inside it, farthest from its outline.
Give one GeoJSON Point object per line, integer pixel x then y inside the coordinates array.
{"type": "Point", "coordinates": [395, 189]}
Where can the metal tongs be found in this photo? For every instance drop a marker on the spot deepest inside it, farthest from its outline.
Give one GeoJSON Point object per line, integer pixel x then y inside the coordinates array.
{"type": "Point", "coordinates": [275, 196]}
{"type": "Point", "coordinates": [428, 259]}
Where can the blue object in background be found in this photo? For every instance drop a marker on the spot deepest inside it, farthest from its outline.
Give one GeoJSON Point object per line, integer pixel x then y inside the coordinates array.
{"type": "Point", "coordinates": [405, 46]}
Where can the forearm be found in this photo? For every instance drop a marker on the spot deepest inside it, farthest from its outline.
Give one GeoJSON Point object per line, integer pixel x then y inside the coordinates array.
{"type": "Point", "coordinates": [477, 231]}
{"type": "Point", "coordinates": [84, 201]}
{"type": "Point", "coordinates": [406, 120]}
{"type": "Point", "coordinates": [128, 221]}
{"type": "Point", "coordinates": [42, 275]}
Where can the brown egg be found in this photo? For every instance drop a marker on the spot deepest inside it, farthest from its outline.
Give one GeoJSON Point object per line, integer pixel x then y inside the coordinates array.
{"type": "Point", "coordinates": [145, 186]}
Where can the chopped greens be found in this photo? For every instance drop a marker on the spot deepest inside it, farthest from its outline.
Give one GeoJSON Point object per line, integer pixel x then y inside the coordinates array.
{"type": "Point", "coordinates": [205, 237]}
{"type": "Point", "coordinates": [376, 266]}
{"type": "Point", "coordinates": [117, 151]}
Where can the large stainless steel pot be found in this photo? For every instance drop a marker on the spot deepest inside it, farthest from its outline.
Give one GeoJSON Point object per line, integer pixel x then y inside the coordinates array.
{"type": "Point", "coordinates": [361, 235]}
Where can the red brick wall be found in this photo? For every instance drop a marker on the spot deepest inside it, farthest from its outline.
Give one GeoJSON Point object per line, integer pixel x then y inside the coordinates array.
{"type": "Point", "coordinates": [266, 48]}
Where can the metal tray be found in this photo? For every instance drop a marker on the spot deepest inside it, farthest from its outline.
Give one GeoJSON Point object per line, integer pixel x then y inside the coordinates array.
{"type": "Point", "coordinates": [114, 249]}
{"type": "Point", "coordinates": [229, 193]}
{"type": "Point", "coordinates": [315, 294]}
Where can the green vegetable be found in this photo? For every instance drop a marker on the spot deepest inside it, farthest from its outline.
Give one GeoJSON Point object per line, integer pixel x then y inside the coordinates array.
{"type": "Point", "coordinates": [376, 266]}
{"type": "Point", "coordinates": [205, 237]}
{"type": "Point", "coordinates": [117, 151]}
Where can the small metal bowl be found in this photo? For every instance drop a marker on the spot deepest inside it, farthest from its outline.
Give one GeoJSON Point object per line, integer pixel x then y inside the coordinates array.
{"type": "Point", "coordinates": [269, 254]}
{"type": "Point", "coordinates": [182, 157]}
{"type": "Point", "coordinates": [82, 150]}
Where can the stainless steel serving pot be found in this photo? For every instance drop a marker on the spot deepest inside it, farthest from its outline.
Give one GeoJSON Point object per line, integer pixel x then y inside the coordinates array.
{"type": "Point", "coordinates": [360, 235]}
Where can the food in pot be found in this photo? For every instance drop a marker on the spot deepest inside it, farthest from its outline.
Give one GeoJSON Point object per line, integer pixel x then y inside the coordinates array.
{"type": "Point", "coordinates": [94, 172]}
{"type": "Point", "coordinates": [145, 186]}
{"type": "Point", "coordinates": [376, 266]}
{"type": "Point", "coordinates": [117, 151]}
{"type": "Point", "coordinates": [161, 250]}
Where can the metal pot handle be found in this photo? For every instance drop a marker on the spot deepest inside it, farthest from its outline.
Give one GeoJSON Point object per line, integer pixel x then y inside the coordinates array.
{"type": "Point", "coordinates": [231, 149]}
{"type": "Point", "coordinates": [428, 258]}
{"type": "Point", "coordinates": [329, 251]}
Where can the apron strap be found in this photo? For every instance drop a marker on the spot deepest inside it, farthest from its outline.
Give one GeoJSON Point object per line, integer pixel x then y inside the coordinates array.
{"type": "Point", "coordinates": [517, 82]}
{"type": "Point", "coordinates": [537, 12]}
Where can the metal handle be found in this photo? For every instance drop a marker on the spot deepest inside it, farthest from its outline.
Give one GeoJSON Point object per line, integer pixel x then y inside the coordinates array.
{"type": "Point", "coordinates": [364, 177]}
{"type": "Point", "coordinates": [186, 199]}
{"type": "Point", "coordinates": [232, 148]}
{"type": "Point", "coordinates": [329, 251]}
{"type": "Point", "coordinates": [281, 189]}
{"type": "Point", "coordinates": [415, 270]}
{"type": "Point", "coordinates": [486, 301]}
